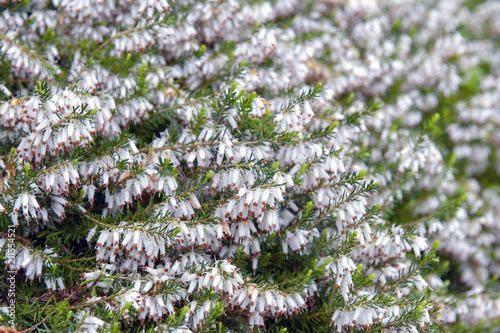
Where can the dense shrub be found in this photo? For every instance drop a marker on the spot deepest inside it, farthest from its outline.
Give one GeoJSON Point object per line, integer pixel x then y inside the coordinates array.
{"type": "Point", "coordinates": [281, 165]}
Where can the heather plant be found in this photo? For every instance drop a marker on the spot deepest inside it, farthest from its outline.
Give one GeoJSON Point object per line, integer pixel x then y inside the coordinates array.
{"type": "Point", "coordinates": [225, 166]}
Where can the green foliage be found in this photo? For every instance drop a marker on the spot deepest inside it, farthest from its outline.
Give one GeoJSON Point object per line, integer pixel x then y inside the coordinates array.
{"type": "Point", "coordinates": [208, 192]}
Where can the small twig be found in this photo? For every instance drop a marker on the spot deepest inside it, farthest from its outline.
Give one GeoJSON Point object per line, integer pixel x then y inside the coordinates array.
{"type": "Point", "coordinates": [50, 315]}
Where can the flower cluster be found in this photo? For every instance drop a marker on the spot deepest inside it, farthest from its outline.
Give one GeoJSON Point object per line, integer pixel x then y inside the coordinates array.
{"type": "Point", "coordinates": [289, 163]}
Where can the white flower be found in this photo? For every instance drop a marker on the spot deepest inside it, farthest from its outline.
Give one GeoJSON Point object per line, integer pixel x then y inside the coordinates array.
{"type": "Point", "coordinates": [89, 323]}
{"type": "Point", "coordinates": [419, 245]}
